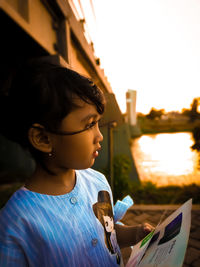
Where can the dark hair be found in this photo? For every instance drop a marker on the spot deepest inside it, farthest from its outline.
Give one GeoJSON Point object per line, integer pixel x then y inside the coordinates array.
{"type": "Point", "coordinates": [43, 93]}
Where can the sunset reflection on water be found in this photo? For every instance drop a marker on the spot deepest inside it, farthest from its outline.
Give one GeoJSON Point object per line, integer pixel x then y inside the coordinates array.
{"type": "Point", "coordinates": [166, 158]}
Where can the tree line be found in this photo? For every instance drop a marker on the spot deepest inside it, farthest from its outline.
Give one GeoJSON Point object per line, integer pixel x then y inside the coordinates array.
{"type": "Point", "coordinates": [193, 112]}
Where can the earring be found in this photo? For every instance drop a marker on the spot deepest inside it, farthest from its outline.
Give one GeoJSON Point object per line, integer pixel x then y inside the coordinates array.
{"type": "Point", "coordinates": [50, 154]}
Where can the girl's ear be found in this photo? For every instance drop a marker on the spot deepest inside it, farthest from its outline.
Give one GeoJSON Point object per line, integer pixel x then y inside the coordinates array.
{"type": "Point", "coordinates": [39, 138]}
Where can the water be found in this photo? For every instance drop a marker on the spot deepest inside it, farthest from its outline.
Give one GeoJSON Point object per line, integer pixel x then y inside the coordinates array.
{"type": "Point", "coordinates": [167, 159]}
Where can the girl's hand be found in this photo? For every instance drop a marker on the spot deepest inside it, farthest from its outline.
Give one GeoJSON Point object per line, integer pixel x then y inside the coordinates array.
{"type": "Point", "coordinates": [130, 235]}
{"type": "Point", "coordinates": [143, 230]}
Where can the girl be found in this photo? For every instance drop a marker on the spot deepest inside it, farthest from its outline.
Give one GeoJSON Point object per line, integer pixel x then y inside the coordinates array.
{"type": "Point", "coordinates": [54, 113]}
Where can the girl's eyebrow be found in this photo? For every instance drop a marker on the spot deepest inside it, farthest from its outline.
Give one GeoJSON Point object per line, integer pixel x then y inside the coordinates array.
{"type": "Point", "coordinates": [88, 117]}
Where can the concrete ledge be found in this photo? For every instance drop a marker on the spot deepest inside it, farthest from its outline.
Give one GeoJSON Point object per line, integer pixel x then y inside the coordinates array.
{"type": "Point", "coordinates": [161, 207]}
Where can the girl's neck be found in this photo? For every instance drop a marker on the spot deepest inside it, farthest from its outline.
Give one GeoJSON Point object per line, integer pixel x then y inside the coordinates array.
{"type": "Point", "coordinates": [46, 183]}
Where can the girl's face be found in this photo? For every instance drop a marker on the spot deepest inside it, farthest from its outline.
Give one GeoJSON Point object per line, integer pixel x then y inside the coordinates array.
{"type": "Point", "coordinates": [80, 150]}
{"type": "Point", "coordinates": [109, 224]}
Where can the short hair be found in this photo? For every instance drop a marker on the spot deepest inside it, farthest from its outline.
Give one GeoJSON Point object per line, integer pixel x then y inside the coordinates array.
{"type": "Point", "coordinates": [43, 92]}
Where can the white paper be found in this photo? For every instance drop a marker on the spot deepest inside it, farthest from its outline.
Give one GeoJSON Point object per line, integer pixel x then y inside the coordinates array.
{"type": "Point", "coordinates": [166, 245]}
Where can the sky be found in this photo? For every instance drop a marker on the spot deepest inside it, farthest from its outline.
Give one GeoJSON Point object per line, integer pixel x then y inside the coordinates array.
{"type": "Point", "coordinates": [151, 46]}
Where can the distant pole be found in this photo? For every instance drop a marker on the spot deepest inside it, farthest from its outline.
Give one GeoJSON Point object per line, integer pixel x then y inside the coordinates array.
{"type": "Point", "coordinates": [111, 125]}
{"type": "Point", "coordinates": [110, 156]}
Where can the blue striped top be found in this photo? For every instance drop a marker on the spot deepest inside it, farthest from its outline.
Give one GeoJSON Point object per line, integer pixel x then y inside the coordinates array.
{"type": "Point", "coordinates": [64, 230]}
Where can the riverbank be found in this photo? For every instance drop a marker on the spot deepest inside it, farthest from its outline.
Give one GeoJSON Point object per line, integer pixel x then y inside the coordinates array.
{"type": "Point", "coordinates": [149, 193]}
{"type": "Point", "coordinates": [148, 126]}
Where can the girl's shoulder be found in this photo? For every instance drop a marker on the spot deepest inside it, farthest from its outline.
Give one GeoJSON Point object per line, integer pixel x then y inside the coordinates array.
{"type": "Point", "coordinates": [14, 210]}
{"type": "Point", "coordinates": [93, 179]}
{"type": "Point", "coordinates": [93, 176]}
{"type": "Point", "coordinates": [16, 200]}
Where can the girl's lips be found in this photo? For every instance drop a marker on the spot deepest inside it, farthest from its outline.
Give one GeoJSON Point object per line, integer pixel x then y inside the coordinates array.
{"type": "Point", "coordinates": [95, 154]}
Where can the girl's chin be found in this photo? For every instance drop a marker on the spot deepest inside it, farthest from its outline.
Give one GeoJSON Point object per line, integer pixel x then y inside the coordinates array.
{"type": "Point", "coordinates": [87, 165]}
{"type": "Point", "coordinates": [92, 163]}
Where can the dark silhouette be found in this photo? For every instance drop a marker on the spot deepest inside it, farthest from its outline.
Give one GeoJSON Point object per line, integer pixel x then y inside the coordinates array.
{"type": "Point", "coordinates": [196, 137]}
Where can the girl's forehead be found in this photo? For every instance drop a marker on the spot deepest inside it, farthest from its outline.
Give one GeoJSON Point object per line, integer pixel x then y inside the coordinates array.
{"type": "Point", "coordinates": [83, 112]}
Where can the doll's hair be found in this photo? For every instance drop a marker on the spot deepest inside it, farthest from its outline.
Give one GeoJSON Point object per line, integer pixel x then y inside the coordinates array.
{"type": "Point", "coordinates": [103, 207]}
{"type": "Point", "coordinates": [44, 93]}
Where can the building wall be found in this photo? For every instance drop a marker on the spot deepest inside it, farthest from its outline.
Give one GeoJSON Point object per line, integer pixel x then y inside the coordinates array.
{"type": "Point", "coordinates": [76, 63]}
{"type": "Point", "coordinates": [34, 18]}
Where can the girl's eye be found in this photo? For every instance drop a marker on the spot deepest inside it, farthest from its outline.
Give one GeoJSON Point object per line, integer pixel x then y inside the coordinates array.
{"type": "Point", "coordinates": [92, 124]}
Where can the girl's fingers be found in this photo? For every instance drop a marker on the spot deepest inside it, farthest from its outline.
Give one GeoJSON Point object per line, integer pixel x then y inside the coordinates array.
{"type": "Point", "coordinates": [147, 228]}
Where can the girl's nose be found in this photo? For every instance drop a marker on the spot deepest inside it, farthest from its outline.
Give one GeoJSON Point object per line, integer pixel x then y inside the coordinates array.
{"type": "Point", "coordinates": [99, 136]}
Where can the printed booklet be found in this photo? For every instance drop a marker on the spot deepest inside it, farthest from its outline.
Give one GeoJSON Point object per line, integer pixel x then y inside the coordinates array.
{"type": "Point", "coordinates": [166, 245]}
